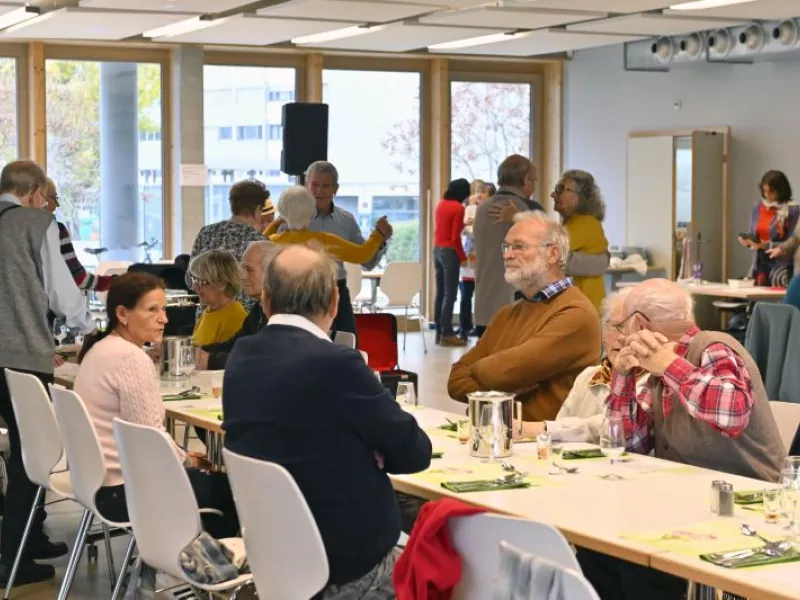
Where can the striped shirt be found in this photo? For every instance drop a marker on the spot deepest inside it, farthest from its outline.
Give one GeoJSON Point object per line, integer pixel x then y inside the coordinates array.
{"type": "Point", "coordinates": [83, 279]}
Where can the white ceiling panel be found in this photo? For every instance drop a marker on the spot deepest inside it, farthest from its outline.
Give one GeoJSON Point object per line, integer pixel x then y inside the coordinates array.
{"type": "Point", "coordinates": [376, 11]}
{"type": "Point", "coordinates": [761, 9]}
{"type": "Point", "coordinates": [509, 18]}
{"type": "Point", "coordinates": [399, 37]}
{"type": "Point", "coordinates": [192, 6]}
{"type": "Point", "coordinates": [542, 42]}
{"type": "Point", "coordinates": [648, 24]}
{"type": "Point", "coordinates": [605, 6]}
{"type": "Point", "coordinates": [250, 30]}
{"type": "Point", "coordinates": [448, 3]}
{"type": "Point", "coordinates": [75, 23]}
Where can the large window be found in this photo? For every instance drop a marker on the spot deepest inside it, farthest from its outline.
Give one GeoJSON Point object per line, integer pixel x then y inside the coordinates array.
{"type": "Point", "coordinates": [242, 123]}
{"type": "Point", "coordinates": [488, 121]}
{"type": "Point", "coordinates": [374, 141]}
{"type": "Point", "coordinates": [104, 152]}
{"type": "Point", "coordinates": [9, 149]}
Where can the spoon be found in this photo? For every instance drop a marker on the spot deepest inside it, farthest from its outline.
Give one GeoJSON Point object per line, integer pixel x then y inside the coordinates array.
{"type": "Point", "coordinates": [750, 532]}
{"type": "Point", "coordinates": [512, 477]}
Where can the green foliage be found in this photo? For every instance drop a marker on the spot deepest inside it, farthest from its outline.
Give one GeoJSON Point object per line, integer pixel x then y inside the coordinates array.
{"type": "Point", "coordinates": [404, 245]}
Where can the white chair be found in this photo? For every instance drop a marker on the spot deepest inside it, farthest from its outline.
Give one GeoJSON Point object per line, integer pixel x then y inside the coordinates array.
{"type": "Point", "coordinates": [161, 503]}
{"type": "Point", "coordinates": [88, 471]}
{"type": "Point", "coordinates": [354, 280]}
{"type": "Point", "coordinates": [477, 539]}
{"type": "Point", "coordinates": [787, 418]}
{"type": "Point", "coordinates": [41, 448]}
{"type": "Point", "coordinates": [284, 547]}
{"type": "Point", "coordinates": [345, 338]}
{"type": "Point", "coordinates": [401, 284]}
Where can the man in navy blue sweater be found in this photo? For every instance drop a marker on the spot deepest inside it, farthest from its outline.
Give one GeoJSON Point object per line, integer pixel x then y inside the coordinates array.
{"type": "Point", "coordinates": [294, 398]}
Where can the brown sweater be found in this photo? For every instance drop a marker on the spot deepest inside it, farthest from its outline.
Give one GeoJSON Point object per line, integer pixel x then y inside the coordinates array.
{"type": "Point", "coordinates": [533, 349]}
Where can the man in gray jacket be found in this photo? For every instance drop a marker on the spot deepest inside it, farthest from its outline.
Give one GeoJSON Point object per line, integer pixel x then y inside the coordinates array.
{"type": "Point", "coordinates": [34, 279]}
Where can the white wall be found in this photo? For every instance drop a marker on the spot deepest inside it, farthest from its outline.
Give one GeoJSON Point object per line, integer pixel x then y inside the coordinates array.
{"type": "Point", "coordinates": [761, 102]}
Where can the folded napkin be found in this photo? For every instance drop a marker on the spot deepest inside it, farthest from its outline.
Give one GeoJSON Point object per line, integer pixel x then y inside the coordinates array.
{"type": "Point", "coordinates": [747, 497]}
{"type": "Point", "coordinates": [449, 426]}
{"type": "Point", "coordinates": [576, 454]}
{"type": "Point", "coordinates": [174, 397]}
{"type": "Point", "coordinates": [436, 454]}
{"type": "Point", "coordinates": [754, 560]}
{"type": "Point", "coordinates": [482, 485]}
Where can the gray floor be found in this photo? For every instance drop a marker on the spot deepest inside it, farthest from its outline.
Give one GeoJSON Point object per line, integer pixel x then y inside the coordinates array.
{"type": "Point", "coordinates": [92, 581]}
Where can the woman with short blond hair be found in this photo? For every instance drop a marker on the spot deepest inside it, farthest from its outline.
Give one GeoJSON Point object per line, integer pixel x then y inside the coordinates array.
{"type": "Point", "coordinates": [217, 279]}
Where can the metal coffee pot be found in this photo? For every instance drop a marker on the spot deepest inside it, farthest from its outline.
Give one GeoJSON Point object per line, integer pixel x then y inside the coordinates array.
{"type": "Point", "coordinates": [491, 424]}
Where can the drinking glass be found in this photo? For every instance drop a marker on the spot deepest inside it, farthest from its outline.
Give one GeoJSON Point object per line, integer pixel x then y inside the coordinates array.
{"type": "Point", "coordinates": [78, 337]}
{"type": "Point", "coordinates": [771, 502]}
{"type": "Point", "coordinates": [463, 431]}
{"type": "Point", "coordinates": [791, 463]}
{"type": "Point", "coordinates": [406, 393]}
{"type": "Point", "coordinates": [216, 385]}
{"type": "Point", "coordinates": [188, 360]}
{"type": "Point", "coordinates": [556, 450]}
{"type": "Point", "coordinates": [612, 441]}
{"type": "Point", "coordinates": [790, 494]}
{"type": "Point", "coordinates": [59, 332]}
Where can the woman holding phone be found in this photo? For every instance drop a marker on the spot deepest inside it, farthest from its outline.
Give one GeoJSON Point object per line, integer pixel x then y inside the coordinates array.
{"type": "Point", "coordinates": [772, 222]}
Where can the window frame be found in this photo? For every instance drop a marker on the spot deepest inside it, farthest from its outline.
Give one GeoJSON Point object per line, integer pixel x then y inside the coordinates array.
{"type": "Point", "coordinates": [22, 113]}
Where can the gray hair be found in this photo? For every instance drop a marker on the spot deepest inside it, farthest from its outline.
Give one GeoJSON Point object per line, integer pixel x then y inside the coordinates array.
{"type": "Point", "coordinates": [611, 302]}
{"type": "Point", "coordinates": [512, 171]}
{"type": "Point", "coordinates": [590, 201]}
{"type": "Point", "coordinates": [660, 299]}
{"type": "Point", "coordinates": [219, 268]}
{"type": "Point", "coordinates": [323, 167]}
{"type": "Point", "coordinates": [21, 178]}
{"type": "Point", "coordinates": [297, 206]}
{"type": "Point", "coordinates": [307, 291]}
{"type": "Point", "coordinates": [555, 233]}
{"type": "Point", "coordinates": [267, 251]}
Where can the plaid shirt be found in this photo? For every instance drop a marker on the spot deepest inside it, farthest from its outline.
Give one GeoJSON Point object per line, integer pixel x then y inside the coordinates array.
{"type": "Point", "coordinates": [718, 392]}
{"type": "Point", "coordinates": [551, 290]}
{"type": "Point", "coordinates": [83, 279]}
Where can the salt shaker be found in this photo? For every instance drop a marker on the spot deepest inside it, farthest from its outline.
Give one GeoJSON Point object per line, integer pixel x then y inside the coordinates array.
{"type": "Point", "coordinates": [726, 500]}
{"type": "Point", "coordinates": [544, 446]}
{"type": "Point", "coordinates": [715, 485]}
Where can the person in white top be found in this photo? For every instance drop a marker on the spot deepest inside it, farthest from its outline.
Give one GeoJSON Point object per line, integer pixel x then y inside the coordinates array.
{"type": "Point", "coordinates": [582, 413]}
{"type": "Point", "coordinates": [117, 379]}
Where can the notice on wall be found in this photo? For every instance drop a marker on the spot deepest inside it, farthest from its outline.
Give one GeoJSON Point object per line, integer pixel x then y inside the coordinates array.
{"type": "Point", "coordinates": [194, 175]}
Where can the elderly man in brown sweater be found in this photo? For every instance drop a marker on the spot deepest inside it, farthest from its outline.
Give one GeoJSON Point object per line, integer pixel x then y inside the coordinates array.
{"type": "Point", "coordinates": [537, 346]}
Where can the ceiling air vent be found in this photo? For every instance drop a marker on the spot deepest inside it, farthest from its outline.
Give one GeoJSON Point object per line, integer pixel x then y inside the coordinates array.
{"type": "Point", "coordinates": [692, 46]}
{"type": "Point", "coordinates": [663, 49]}
{"type": "Point", "coordinates": [785, 32]}
{"type": "Point", "coordinates": [720, 43]}
{"type": "Point", "coordinates": [752, 37]}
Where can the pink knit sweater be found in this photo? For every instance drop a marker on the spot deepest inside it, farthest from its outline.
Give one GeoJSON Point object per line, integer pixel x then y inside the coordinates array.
{"type": "Point", "coordinates": [117, 379]}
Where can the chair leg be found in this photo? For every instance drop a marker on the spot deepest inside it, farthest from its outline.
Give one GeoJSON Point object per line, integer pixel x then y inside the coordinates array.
{"type": "Point", "coordinates": [422, 331]}
{"type": "Point", "coordinates": [112, 573]}
{"type": "Point", "coordinates": [186, 437]}
{"type": "Point", "coordinates": [75, 556]}
{"type": "Point", "coordinates": [124, 570]}
{"type": "Point", "coordinates": [23, 542]}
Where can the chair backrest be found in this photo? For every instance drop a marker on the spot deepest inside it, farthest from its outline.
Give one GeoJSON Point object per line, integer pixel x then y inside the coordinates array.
{"type": "Point", "coordinates": [787, 418]}
{"type": "Point", "coordinates": [577, 587]}
{"type": "Point", "coordinates": [161, 503]}
{"type": "Point", "coordinates": [401, 281]}
{"type": "Point", "coordinates": [477, 539]}
{"type": "Point", "coordinates": [345, 338]}
{"type": "Point", "coordinates": [284, 547]}
{"type": "Point", "coordinates": [85, 455]}
{"type": "Point", "coordinates": [105, 266]}
{"type": "Point", "coordinates": [353, 279]}
{"type": "Point", "coordinates": [36, 422]}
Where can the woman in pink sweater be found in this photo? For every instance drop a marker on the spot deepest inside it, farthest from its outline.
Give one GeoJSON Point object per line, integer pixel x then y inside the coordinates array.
{"type": "Point", "coordinates": [117, 378]}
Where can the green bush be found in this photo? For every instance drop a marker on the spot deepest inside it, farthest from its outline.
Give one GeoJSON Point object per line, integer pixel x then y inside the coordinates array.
{"type": "Point", "coordinates": [404, 245]}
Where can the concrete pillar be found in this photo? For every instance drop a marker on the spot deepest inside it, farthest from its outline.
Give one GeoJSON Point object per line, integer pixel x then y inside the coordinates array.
{"type": "Point", "coordinates": [188, 203]}
{"type": "Point", "coordinates": [120, 205]}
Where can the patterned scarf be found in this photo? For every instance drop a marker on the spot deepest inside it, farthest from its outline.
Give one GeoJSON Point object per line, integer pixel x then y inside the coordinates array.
{"type": "Point", "coordinates": [603, 374]}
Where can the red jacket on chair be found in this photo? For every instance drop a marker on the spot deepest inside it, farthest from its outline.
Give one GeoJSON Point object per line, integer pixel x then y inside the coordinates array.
{"type": "Point", "coordinates": [430, 567]}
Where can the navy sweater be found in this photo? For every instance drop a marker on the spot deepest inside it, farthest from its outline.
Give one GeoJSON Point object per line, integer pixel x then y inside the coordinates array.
{"type": "Point", "coordinates": [316, 408]}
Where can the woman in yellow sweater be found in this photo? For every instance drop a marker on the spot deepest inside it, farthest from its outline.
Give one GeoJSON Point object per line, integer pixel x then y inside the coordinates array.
{"type": "Point", "coordinates": [577, 199]}
{"type": "Point", "coordinates": [297, 207]}
{"type": "Point", "coordinates": [217, 279]}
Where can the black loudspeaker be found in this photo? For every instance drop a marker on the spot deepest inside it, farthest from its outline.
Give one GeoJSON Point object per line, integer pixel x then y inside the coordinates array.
{"type": "Point", "coordinates": [305, 136]}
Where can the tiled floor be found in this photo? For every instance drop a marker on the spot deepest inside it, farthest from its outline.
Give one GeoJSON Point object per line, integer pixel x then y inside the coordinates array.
{"type": "Point", "coordinates": [92, 581]}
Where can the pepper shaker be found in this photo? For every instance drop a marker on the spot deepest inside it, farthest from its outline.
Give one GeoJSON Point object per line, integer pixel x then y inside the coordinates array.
{"type": "Point", "coordinates": [715, 485]}
{"type": "Point", "coordinates": [726, 500]}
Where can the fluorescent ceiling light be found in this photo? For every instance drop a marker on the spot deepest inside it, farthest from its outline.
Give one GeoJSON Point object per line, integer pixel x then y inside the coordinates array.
{"type": "Point", "coordinates": [479, 41]}
{"type": "Point", "coordinates": [20, 15]}
{"type": "Point", "coordinates": [704, 4]}
{"type": "Point", "coordinates": [181, 27]}
{"type": "Point", "coordinates": [336, 34]}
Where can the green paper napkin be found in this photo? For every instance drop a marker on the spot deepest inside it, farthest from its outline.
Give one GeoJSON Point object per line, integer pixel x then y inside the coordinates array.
{"type": "Point", "coordinates": [450, 425]}
{"type": "Point", "coordinates": [587, 453]}
{"type": "Point", "coordinates": [483, 485]}
{"type": "Point", "coordinates": [174, 397]}
{"type": "Point", "coordinates": [437, 455]}
{"type": "Point", "coordinates": [747, 497]}
{"type": "Point", "coordinates": [755, 560]}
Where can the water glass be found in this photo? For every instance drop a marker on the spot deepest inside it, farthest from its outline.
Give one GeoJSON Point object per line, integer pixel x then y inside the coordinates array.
{"type": "Point", "coordinates": [556, 450]}
{"type": "Point", "coordinates": [406, 393]}
{"type": "Point", "coordinates": [790, 494]}
{"type": "Point", "coordinates": [188, 360]}
{"type": "Point", "coordinates": [771, 502]}
{"type": "Point", "coordinates": [463, 431]}
{"type": "Point", "coordinates": [59, 332]}
{"type": "Point", "coordinates": [791, 463]}
{"type": "Point", "coordinates": [612, 441]}
{"type": "Point", "coordinates": [216, 385]}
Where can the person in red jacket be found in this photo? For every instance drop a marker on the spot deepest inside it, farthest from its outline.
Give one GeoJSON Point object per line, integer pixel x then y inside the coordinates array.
{"type": "Point", "coordinates": [448, 256]}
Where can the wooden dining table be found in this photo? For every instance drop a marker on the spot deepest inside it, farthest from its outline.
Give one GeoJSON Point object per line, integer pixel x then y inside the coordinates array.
{"type": "Point", "coordinates": [656, 516]}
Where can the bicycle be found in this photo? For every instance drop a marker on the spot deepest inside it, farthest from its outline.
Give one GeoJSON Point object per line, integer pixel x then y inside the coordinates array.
{"type": "Point", "coordinates": [153, 243]}
{"type": "Point", "coordinates": [98, 252]}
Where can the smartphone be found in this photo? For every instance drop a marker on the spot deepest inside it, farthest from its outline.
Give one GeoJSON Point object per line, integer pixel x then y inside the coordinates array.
{"type": "Point", "coordinates": [750, 237]}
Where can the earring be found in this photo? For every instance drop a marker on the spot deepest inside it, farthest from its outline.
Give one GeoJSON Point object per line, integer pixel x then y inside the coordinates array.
{"type": "Point", "coordinates": [124, 323]}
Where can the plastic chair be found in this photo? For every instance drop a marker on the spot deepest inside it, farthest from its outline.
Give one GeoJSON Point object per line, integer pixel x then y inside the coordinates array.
{"type": "Point", "coordinates": [88, 471]}
{"type": "Point", "coordinates": [284, 547]}
{"type": "Point", "coordinates": [477, 539]}
{"type": "Point", "coordinates": [41, 448]}
{"type": "Point", "coordinates": [354, 280]}
{"type": "Point", "coordinates": [345, 338]}
{"type": "Point", "coordinates": [163, 529]}
{"type": "Point", "coordinates": [401, 284]}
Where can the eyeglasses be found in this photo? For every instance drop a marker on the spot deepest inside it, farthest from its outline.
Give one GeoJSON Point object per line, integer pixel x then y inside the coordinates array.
{"type": "Point", "coordinates": [520, 247]}
{"type": "Point", "coordinates": [197, 282]}
{"type": "Point", "coordinates": [620, 327]}
{"type": "Point", "coordinates": [560, 189]}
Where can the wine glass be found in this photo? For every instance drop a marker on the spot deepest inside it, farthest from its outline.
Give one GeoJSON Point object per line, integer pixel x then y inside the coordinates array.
{"type": "Point", "coordinates": [188, 360]}
{"type": "Point", "coordinates": [790, 497]}
{"type": "Point", "coordinates": [59, 332]}
{"type": "Point", "coordinates": [406, 394]}
{"type": "Point", "coordinates": [612, 442]}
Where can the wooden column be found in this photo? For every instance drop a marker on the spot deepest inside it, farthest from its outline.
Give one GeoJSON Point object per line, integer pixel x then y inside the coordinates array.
{"type": "Point", "coordinates": [552, 127]}
{"type": "Point", "coordinates": [313, 77]}
{"type": "Point", "coordinates": [36, 96]}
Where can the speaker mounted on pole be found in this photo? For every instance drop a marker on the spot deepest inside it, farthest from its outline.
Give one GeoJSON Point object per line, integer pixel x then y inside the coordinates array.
{"type": "Point", "coordinates": [305, 136]}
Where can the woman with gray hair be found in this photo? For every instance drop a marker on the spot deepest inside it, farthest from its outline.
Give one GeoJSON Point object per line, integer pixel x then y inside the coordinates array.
{"type": "Point", "coordinates": [577, 199]}
{"type": "Point", "coordinates": [216, 277]}
{"type": "Point", "coordinates": [297, 208]}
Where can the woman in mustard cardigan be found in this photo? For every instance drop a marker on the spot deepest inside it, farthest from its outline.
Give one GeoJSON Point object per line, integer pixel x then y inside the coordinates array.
{"type": "Point", "coordinates": [297, 207]}
{"type": "Point", "coordinates": [577, 199]}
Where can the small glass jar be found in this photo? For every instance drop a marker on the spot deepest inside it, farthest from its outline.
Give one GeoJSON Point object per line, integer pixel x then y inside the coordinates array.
{"type": "Point", "coordinates": [544, 446]}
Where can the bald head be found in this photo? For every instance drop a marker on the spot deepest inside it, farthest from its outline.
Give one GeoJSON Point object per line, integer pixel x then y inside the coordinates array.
{"type": "Point", "coordinates": [23, 178]}
{"type": "Point", "coordinates": [302, 281]}
{"type": "Point", "coordinates": [660, 300]}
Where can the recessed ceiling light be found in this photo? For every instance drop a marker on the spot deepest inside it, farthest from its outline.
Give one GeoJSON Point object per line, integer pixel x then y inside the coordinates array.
{"type": "Point", "coordinates": [181, 27]}
{"type": "Point", "coordinates": [704, 4]}
{"type": "Point", "coordinates": [336, 34]}
{"type": "Point", "coordinates": [479, 41]}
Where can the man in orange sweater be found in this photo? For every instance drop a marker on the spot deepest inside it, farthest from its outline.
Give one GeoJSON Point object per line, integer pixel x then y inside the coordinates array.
{"type": "Point", "coordinates": [536, 347]}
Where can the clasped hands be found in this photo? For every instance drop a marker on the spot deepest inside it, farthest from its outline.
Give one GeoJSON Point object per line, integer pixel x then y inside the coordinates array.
{"type": "Point", "coordinates": [649, 350]}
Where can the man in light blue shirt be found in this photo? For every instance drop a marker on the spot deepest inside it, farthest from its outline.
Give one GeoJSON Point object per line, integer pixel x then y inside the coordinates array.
{"type": "Point", "coordinates": [34, 279]}
{"type": "Point", "coordinates": [322, 179]}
